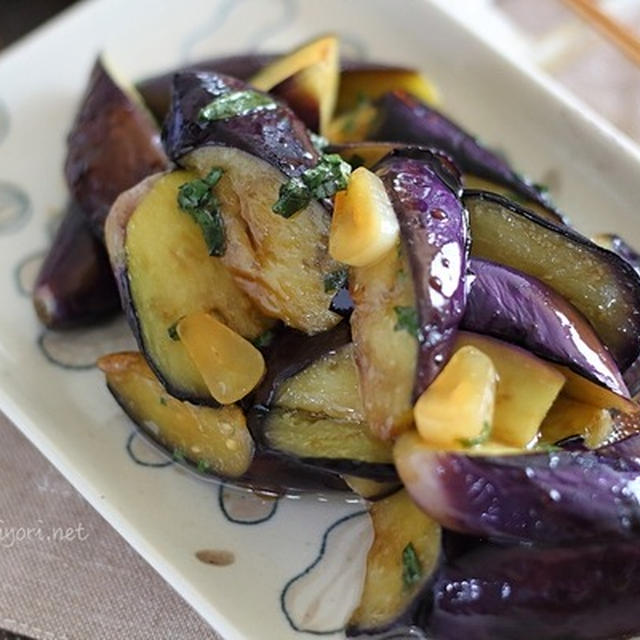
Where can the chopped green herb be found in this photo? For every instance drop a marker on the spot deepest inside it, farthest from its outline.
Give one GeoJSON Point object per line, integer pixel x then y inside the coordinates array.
{"type": "Point", "coordinates": [411, 566]}
{"type": "Point", "coordinates": [178, 454]}
{"type": "Point", "coordinates": [335, 280]}
{"type": "Point", "coordinates": [236, 103]}
{"type": "Point", "coordinates": [329, 176]}
{"type": "Point", "coordinates": [481, 438]}
{"type": "Point", "coordinates": [173, 331]}
{"type": "Point", "coordinates": [294, 196]}
{"type": "Point", "coordinates": [163, 401]}
{"type": "Point", "coordinates": [407, 320]}
{"type": "Point", "coordinates": [199, 201]}
{"type": "Point", "coordinates": [203, 465]}
{"type": "Point", "coordinates": [264, 339]}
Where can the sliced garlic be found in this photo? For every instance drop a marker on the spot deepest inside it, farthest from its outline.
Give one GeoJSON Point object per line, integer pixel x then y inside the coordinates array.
{"type": "Point", "coordinates": [230, 365]}
{"type": "Point", "coordinates": [364, 225]}
{"type": "Point", "coordinates": [456, 410]}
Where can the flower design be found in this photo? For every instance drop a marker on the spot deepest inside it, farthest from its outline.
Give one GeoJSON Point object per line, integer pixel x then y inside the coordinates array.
{"type": "Point", "coordinates": [244, 506]}
{"type": "Point", "coordinates": [15, 207]}
{"type": "Point", "coordinates": [321, 598]}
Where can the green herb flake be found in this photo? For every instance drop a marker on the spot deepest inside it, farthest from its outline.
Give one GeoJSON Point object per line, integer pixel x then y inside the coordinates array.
{"type": "Point", "coordinates": [236, 103]}
{"type": "Point", "coordinates": [407, 320]}
{"type": "Point", "coordinates": [203, 466]}
{"type": "Point", "coordinates": [264, 339]}
{"type": "Point", "coordinates": [173, 331]}
{"type": "Point", "coordinates": [335, 280]}
{"type": "Point", "coordinates": [294, 196]}
{"type": "Point", "coordinates": [199, 201]}
{"type": "Point", "coordinates": [481, 438]}
{"type": "Point", "coordinates": [178, 454]}
{"type": "Point", "coordinates": [163, 401]}
{"type": "Point", "coordinates": [329, 176]}
{"type": "Point", "coordinates": [411, 566]}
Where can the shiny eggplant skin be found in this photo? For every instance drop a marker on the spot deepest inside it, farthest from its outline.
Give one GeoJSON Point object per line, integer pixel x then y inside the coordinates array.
{"type": "Point", "coordinates": [275, 134]}
{"type": "Point", "coordinates": [600, 284]}
{"type": "Point", "coordinates": [112, 145]}
{"type": "Point", "coordinates": [572, 592]}
{"type": "Point", "coordinates": [403, 118]}
{"type": "Point", "coordinates": [509, 305]}
{"type": "Point", "coordinates": [156, 90]}
{"type": "Point", "coordinates": [553, 497]}
{"type": "Point", "coordinates": [424, 189]}
{"type": "Point", "coordinates": [75, 285]}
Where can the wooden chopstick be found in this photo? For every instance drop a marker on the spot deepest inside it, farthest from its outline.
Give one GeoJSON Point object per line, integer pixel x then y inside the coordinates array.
{"type": "Point", "coordinates": [617, 33]}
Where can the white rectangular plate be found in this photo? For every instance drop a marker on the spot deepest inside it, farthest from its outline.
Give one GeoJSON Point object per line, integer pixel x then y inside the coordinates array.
{"type": "Point", "coordinates": [164, 512]}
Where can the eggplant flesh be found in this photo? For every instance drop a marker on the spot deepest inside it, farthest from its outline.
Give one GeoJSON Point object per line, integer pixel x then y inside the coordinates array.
{"type": "Point", "coordinates": [159, 284]}
{"type": "Point", "coordinates": [402, 565]}
{"type": "Point", "coordinates": [280, 263]}
{"type": "Point", "coordinates": [216, 441]}
{"type": "Point", "coordinates": [75, 285]}
{"type": "Point", "coordinates": [274, 134]}
{"type": "Point", "coordinates": [407, 306]}
{"type": "Point", "coordinates": [113, 145]}
{"type": "Point", "coordinates": [403, 118]}
{"type": "Point", "coordinates": [602, 286]}
{"type": "Point", "coordinates": [338, 445]}
{"type": "Point", "coordinates": [551, 497]}
{"type": "Point", "coordinates": [317, 417]}
{"type": "Point", "coordinates": [573, 592]}
{"type": "Point", "coordinates": [511, 306]}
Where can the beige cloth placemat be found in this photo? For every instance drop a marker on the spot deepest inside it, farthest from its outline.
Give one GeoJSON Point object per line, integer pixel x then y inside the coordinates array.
{"type": "Point", "coordinates": [90, 586]}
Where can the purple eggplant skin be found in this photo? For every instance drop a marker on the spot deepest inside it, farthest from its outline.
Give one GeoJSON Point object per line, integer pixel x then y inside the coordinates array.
{"type": "Point", "coordinates": [556, 497]}
{"type": "Point", "coordinates": [156, 90]}
{"type": "Point", "coordinates": [600, 284]}
{"type": "Point", "coordinates": [509, 305]}
{"type": "Point", "coordinates": [572, 592]}
{"type": "Point", "coordinates": [620, 247]}
{"type": "Point", "coordinates": [112, 145]}
{"type": "Point", "coordinates": [424, 188]}
{"type": "Point", "coordinates": [273, 134]}
{"type": "Point", "coordinates": [75, 285]}
{"type": "Point", "coordinates": [403, 118]}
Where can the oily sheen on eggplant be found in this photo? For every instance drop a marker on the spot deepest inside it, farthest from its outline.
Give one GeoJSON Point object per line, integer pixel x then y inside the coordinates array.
{"type": "Point", "coordinates": [75, 285]}
{"type": "Point", "coordinates": [555, 497]}
{"type": "Point", "coordinates": [600, 284]}
{"type": "Point", "coordinates": [407, 306]}
{"type": "Point", "coordinates": [274, 134]}
{"type": "Point", "coordinates": [402, 565]}
{"type": "Point", "coordinates": [520, 309]}
{"type": "Point", "coordinates": [280, 263]}
{"type": "Point", "coordinates": [488, 591]}
{"type": "Point", "coordinates": [113, 144]}
{"type": "Point", "coordinates": [159, 285]}
{"type": "Point", "coordinates": [308, 408]}
{"type": "Point", "coordinates": [401, 117]}
{"type": "Point", "coordinates": [214, 442]}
